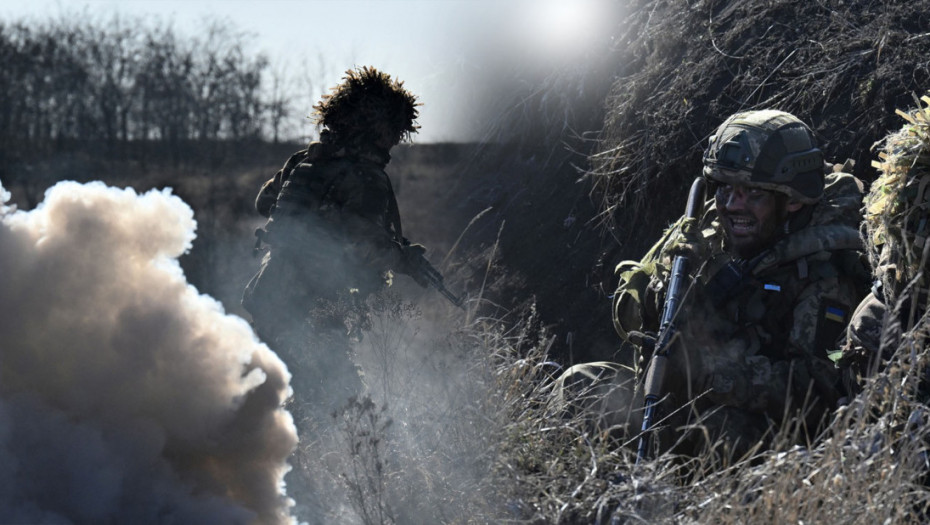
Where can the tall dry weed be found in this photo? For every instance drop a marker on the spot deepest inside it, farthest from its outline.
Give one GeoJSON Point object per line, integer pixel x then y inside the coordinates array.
{"type": "Point", "coordinates": [870, 465]}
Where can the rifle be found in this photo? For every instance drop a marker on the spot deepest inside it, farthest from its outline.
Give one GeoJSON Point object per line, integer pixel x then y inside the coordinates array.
{"type": "Point", "coordinates": [426, 274]}
{"type": "Point", "coordinates": [655, 375]}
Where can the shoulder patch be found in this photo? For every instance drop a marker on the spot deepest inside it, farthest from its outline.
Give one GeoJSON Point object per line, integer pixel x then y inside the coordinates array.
{"type": "Point", "coordinates": [831, 313]}
{"type": "Point", "coordinates": [831, 324]}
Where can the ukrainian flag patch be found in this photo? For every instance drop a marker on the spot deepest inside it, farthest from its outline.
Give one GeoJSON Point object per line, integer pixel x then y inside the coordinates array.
{"type": "Point", "coordinates": [831, 322]}
{"type": "Point", "coordinates": [835, 314]}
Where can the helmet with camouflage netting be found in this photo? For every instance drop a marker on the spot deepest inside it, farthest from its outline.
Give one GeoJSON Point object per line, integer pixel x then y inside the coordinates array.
{"type": "Point", "coordinates": [767, 149]}
{"type": "Point", "coordinates": [897, 221]}
{"type": "Point", "coordinates": [368, 108]}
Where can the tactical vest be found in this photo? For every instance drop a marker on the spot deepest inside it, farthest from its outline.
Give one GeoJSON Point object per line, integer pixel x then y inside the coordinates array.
{"type": "Point", "coordinates": [324, 192]}
{"type": "Point", "coordinates": [759, 305]}
{"type": "Point", "coordinates": [308, 188]}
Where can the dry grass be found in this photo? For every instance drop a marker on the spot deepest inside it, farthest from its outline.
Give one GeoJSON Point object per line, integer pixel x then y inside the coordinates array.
{"type": "Point", "coordinates": [483, 437]}
{"type": "Point", "coordinates": [869, 467]}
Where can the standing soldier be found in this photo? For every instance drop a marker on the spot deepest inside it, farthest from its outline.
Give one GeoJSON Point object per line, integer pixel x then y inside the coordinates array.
{"type": "Point", "coordinates": [334, 235]}
{"type": "Point", "coordinates": [775, 270]}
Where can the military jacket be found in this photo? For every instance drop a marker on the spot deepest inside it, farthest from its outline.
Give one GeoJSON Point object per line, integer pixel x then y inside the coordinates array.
{"type": "Point", "coordinates": [875, 334]}
{"type": "Point", "coordinates": [858, 357]}
{"type": "Point", "coordinates": [333, 228]}
{"type": "Point", "coordinates": [754, 335]}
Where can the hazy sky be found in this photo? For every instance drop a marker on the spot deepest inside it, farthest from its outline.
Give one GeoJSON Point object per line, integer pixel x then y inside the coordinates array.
{"type": "Point", "coordinates": [433, 45]}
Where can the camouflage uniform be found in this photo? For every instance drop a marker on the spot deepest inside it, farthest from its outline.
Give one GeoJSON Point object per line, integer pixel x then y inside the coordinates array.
{"type": "Point", "coordinates": [857, 359]}
{"type": "Point", "coordinates": [333, 231]}
{"type": "Point", "coordinates": [770, 291]}
{"type": "Point", "coordinates": [753, 339]}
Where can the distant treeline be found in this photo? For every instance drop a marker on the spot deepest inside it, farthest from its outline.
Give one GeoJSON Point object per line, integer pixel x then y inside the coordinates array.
{"type": "Point", "coordinates": [130, 89]}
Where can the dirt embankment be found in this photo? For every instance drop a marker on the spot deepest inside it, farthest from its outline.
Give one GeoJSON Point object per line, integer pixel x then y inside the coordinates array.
{"type": "Point", "coordinates": [841, 66]}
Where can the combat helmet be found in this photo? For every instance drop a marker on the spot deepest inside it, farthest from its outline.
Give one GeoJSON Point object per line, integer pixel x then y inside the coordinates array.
{"type": "Point", "coordinates": [767, 149]}
{"type": "Point", "coordinates": [896, 220]}
{"type": "Point", "coordinates": [368, 108]}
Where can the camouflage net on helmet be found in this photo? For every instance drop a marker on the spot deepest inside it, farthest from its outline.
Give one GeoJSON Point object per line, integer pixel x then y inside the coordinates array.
{"type": "Point", "coordinates": [368, 107]}
{"type": "Point", "coordinates": [897, 208]}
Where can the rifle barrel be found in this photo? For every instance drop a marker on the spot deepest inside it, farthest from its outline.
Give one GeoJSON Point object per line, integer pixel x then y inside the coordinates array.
{"type": "Point", "coordinates": [655, 376]}
{"type": "Point", "coordinates": [435, 278]}
{"type": "Point", "coordinates": [449, 295]}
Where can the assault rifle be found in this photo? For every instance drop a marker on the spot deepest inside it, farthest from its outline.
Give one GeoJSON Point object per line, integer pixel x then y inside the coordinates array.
{"type": "Point", "coordinates": [655, 375]}
{"type": "Point", "coordinates": [426, 274]}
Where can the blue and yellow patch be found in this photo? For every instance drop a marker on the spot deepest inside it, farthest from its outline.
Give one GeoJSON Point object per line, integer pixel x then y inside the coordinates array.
{"type": "Point", "coordinates": [834, 314]}
{"type": "Point", "coordinates": [831, 323]}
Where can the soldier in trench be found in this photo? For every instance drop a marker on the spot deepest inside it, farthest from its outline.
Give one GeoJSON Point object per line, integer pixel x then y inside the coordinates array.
{"type": "Point", "coordinates": [775, 272]}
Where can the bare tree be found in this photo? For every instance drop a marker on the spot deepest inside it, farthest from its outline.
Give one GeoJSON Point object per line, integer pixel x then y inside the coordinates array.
{"type": "Point", "coordinates": [80, 82]}
{"type": "Point", "coordinates": [279, 102]}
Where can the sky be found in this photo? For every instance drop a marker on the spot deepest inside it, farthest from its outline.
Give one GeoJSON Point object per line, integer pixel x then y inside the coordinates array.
{"type": "Point", "coordinates": [437, 47]}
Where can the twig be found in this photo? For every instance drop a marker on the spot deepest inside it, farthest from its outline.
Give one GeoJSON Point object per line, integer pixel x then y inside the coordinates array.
{"type": "Point", "coordinates": [766, 79]}
{"type": "Point", "coordinates": [459, 239]}
{"type": "Point", "coordinates": [487, 271]}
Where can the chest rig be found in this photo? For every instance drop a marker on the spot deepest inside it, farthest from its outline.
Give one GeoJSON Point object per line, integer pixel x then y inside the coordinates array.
{"type": "Point", "coordinates": [758, 306]}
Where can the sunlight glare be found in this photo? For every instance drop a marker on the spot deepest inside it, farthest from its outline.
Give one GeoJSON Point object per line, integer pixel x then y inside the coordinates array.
{"type": "Point", "coordinates": [564, 28]}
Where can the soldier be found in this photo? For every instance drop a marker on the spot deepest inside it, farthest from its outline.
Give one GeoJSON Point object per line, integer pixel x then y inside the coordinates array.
{"type": "Point", "coordinates": [334, 234]}
{"type": "Point", "coordinates": [895, 229]}
{"type": "Point", "coordinates": [775, 272]}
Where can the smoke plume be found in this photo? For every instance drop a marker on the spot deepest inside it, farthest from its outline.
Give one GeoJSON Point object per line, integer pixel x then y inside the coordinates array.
{"type": "Point", "coordinates": [125, 395]}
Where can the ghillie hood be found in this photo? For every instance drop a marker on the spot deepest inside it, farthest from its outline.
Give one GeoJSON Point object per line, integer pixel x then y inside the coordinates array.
{"type": "Point", "coordinates": [367, 109]}
{"type": "Point", "coordinates": [896, 226]}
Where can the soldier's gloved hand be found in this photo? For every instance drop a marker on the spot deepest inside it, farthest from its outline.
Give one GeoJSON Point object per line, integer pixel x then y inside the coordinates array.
{"type": "Point", "coordinates": [412, 255]}
{"type": "Point", "coordinates": [688, 241]}
{"type": "Point", "coordinates": [414, 250]}
{"type": "Point", "coordinates": [646, 341]}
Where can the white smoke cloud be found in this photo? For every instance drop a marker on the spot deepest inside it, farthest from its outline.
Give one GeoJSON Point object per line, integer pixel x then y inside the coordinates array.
{"type": "Point", "coordinates": [125, 395]}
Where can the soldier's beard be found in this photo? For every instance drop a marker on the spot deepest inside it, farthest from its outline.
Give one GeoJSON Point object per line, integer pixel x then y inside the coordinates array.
{"type": "Point", "coordinates": [747, 235]}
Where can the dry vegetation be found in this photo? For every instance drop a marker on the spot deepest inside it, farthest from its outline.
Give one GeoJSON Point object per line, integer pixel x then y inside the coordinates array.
{"type": "Point", "coordinates": [519, 227]}
{"type": "Point", "coordinates": [506, 453]}
{"type": "Point", "coordinates": [681, 68]}
{"type": "Point", "coordinates": [841, 66]}
{"type": "Point", "coordinates": [870, 467]}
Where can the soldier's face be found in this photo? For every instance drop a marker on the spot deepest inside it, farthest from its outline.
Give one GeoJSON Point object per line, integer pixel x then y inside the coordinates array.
{"type": "Point", "coordinates": [750, 217]}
